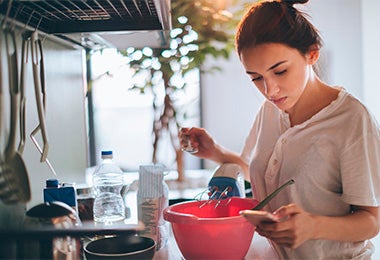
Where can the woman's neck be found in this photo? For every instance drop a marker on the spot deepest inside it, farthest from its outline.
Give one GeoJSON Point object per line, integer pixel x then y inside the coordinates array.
{"type": "Point", "coordinates": [316, 96]}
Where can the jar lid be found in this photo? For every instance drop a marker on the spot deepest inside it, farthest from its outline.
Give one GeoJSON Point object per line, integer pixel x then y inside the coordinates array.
{"type": "Point", "coordinates": [52, 183]}
{"type": "Point", "coordinates": [84, 190]}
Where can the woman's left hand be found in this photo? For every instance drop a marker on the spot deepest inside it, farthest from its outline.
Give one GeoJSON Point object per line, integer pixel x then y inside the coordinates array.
{"type": "Point", "coordinates": [295, 227]}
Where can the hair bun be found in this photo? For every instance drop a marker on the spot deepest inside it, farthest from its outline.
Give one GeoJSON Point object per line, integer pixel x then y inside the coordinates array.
{"type": "Point", "coordinates": [293, 2]}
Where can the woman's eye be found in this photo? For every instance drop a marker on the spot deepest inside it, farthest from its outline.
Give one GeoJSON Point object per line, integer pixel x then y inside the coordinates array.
{"type": "Point", "coordinates": [256, 79]}
{"type": "Point", "coordinates": [280, 72]}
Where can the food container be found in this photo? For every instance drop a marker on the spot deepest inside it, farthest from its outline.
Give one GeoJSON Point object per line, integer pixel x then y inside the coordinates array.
{"type": "Point", "coordinates": [206, 231]}
{"type": "Point", "coordinates": [85, 201]}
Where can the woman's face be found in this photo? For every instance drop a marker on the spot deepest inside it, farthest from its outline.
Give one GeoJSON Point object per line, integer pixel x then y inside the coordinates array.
{"type": "Point", "coordinates": [280, 73]}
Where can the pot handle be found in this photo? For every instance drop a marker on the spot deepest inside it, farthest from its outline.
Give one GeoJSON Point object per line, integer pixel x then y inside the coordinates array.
{"type": "Point", "coordinates": [180, 218]}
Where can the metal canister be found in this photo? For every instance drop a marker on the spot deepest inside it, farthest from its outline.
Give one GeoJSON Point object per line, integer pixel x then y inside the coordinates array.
{"type": "Point", "coordinates": [53, 218]}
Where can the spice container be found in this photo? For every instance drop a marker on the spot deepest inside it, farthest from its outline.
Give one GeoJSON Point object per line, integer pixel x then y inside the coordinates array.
{"type": "Point", "coordinates": [85, 201]}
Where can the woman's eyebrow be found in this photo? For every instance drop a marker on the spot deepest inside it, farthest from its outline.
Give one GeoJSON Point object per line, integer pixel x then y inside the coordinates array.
{"type": "Point", "coordinates": [276, 65]}
{"type": "Point", "coordinates": [270, 68]}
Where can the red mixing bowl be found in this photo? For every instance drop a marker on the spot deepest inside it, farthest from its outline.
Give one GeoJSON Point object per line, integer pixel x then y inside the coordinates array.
{"type": "Point", "coordinates": [203, 231]}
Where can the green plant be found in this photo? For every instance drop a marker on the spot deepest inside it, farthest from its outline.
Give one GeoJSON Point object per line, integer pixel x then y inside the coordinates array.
{"type": "Point", "coordinates": [200, 30]}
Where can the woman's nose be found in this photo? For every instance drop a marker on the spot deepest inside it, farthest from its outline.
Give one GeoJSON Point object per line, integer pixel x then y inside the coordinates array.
{"type": "Point", "coordinates": [270, 88]}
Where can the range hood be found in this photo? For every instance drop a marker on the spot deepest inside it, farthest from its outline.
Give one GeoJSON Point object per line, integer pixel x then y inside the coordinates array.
{"type": "Point", "coordinates": [96, 23]}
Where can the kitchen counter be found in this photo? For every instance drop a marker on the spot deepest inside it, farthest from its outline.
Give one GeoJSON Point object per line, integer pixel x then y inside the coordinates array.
{"type": "Point", "coordinates": [260, 249]}
{"type": "Point", "coordinates": [195, 183]}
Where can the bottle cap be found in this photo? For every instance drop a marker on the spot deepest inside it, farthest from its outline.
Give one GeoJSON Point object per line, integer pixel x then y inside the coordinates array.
{"type": "Point", "coordinates": [52, 183]}
{"type": "Point", "coordinates": [107, 154]}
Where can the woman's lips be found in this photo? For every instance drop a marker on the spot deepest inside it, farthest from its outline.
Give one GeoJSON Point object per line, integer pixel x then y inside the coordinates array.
{"type": "Point", "coordinates": [278, 100]}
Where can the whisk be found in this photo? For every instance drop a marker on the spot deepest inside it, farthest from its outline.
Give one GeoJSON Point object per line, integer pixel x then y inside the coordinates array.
{"type": "Point", "coordinates": [217, 196]}
{"type": "Point", "coordinates": [222, 186]}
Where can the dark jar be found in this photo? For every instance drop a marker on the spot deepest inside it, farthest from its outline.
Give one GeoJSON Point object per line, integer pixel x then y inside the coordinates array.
{"type": "Point", "coordinates": [85, 200]}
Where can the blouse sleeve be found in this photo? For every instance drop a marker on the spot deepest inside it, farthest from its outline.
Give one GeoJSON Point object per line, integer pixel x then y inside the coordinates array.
{"type": "Point", "coordinates": [360, 165]}
{"type": "Point", "coordinates": [251, 139]}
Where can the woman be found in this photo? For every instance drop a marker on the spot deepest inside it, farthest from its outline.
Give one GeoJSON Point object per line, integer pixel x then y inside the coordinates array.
{"type": "Point", "coordinates": [318, 135]}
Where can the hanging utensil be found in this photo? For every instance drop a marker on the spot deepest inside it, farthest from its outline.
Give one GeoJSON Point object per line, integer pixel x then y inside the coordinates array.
{"type": "Point", "coordinates": [1, 97]}
{"type": "Point", "coordinates": [24, 61]}
{"type": "Point", "coordinates": [38, 76]}
{"type": "Point", "coordinates": [14, 181]}
{"type": "Point", "coordinates": [37, 43]}
{"type": "Point", "coordinates": [35, 142]}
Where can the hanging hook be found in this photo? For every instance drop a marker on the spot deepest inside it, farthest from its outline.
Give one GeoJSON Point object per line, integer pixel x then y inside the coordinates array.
{"type": "Point", "coordinates": [39, 22]}
{"type": "Point", "coordinates": [13, 24]}
{"type": "Point", "coordinates": [43, 38]}
{"type": "Point", "coordinates": [27, 22]}
{"type": "Point", "coordinates": [7, 15]}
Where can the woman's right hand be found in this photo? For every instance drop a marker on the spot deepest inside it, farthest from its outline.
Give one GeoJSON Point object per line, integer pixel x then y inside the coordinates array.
{"type": "Point", "coordinates": [202, 145]}
{"type": "Point", "coordinates": [201, 142]}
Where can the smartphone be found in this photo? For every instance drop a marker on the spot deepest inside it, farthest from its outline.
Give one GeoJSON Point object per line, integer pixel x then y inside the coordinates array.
{"type": "Point", "coordinates": [259, 216]}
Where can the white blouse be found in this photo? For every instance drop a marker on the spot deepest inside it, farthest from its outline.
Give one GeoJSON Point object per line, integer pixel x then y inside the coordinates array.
{"type": "Point", "coordinates": [334, 158]}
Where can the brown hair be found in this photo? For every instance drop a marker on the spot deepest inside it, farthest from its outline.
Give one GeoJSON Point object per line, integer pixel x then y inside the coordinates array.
{"type": "Point", "coordinates": [276, 22]}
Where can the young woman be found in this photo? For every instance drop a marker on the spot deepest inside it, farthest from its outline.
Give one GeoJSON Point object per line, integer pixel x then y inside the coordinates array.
{"type": "Point", "coordinates": [306, 130]}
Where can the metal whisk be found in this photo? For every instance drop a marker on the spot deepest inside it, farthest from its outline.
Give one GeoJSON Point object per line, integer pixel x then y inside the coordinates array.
{"type": "Point", "coordinates": [214, 196]}
{"type": "Point", "coordinates": [222, 186]}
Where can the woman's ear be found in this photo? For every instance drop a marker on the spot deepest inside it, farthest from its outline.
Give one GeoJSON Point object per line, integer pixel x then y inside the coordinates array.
{"type": "Point", "coordinates": [313, 55]}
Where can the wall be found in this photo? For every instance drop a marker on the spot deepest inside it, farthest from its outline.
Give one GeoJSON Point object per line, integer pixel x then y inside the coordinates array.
{"type": "Point", "coordinates": [65, 118]}
{"type": "Point", "coordinates": [371, 55]}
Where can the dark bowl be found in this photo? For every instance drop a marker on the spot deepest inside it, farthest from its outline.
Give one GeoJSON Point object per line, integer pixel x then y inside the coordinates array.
{"type": "Point", "coordinates": [121, 247]}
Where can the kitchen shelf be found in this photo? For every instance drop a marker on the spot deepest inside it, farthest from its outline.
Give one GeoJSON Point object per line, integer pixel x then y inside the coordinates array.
{"type": "Point", "coordinates": [73, 16]}
{"type": "Point", "coordinates": [86, 229]}
{"type": "Point", "coordinates": [94, 24]}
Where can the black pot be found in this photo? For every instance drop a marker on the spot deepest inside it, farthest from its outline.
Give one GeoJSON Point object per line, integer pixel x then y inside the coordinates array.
{"type": "Point", "coordinates": [121, 247]}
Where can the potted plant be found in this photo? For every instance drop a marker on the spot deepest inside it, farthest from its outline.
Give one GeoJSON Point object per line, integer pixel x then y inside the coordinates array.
{"type": "Point", "coordinates": [200, 30]}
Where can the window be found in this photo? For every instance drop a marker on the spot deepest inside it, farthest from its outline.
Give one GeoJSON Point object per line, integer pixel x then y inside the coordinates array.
{"type": "Point", "coordinates": [123, 118]}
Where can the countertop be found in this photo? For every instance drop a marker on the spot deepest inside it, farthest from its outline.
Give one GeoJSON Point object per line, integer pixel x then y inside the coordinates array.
{"type": "Point", "coordinates": [196, 182]}
{"type": "Point", "coordinates": [260, 249]}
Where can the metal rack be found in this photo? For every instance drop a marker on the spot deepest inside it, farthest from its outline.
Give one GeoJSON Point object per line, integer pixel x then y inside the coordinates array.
{"type": "Point", "coordinates": [77, 16]}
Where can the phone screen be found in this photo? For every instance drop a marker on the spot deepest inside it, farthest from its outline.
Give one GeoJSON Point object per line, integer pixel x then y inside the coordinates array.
{"type": "Point", "coordinates": [259, 216]}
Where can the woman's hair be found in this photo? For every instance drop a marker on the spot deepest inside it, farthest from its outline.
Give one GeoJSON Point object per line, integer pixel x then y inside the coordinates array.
{"type": "Point", "coordinates": [276, 21]}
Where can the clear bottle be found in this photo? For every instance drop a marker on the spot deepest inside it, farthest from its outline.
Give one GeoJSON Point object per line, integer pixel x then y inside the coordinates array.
{"type": "Point", "coordinates": [108, 182]}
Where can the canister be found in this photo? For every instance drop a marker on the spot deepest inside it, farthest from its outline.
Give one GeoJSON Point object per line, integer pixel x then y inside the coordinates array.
{"type": "Point", "coordinates": [85, 201]}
